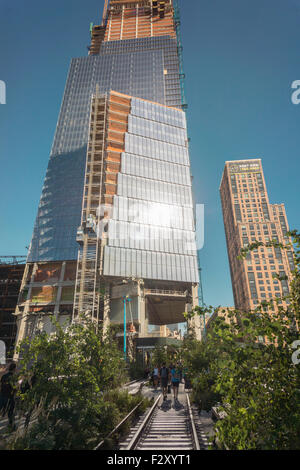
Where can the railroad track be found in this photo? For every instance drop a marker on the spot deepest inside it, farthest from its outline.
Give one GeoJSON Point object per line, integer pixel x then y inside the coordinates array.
{"type": "Point", "coordinates": [166, 428]}
{"type": "Point", "coordinates": [134, 386]}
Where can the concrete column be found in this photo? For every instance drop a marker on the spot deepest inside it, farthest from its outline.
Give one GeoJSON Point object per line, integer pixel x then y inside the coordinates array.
{"type": "Point", "coordinates": [122, 22]}
{"type": "Point", "coordinates": [142, 311]}
{"type": "Point", "coordinates": [195, 323]}
{"type": "Point", "coordinates": [109, 27]}
{"type": "Point", "coordinates": [106, 310]}
{"type": "Point", "coordinates": [137, 20]}
{"type": "Point", "coordinates": [163, 331]}
{"type": "Point", "coordinates": [151, 22]}
{"type": "Point", "coordinates": [59, 290]}
{"type": "Point", "coordinates": [21, 322]}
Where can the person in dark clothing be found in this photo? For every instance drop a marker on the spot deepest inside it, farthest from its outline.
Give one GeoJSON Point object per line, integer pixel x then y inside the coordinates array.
{"type": "Point", "coordinates": [7, 394]}
{"type": "Point", "coordinates": [164, 379]}
{"type": "Point", "coordinates": [175, 378]}
{"type": "Point", "coordinates": [26, 386]}
{"type": "Point", "coordinates": [146, 373]}
{"type": "Point", "coordinates": [155, 377]}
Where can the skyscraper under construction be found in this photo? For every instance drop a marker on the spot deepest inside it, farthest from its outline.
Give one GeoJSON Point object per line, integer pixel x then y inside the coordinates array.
{"type": "Point", "coordinates": [115, 227]}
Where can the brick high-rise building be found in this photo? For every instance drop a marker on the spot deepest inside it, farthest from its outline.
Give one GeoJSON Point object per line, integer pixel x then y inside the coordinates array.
{"type": "Point", "coordinates": [248, 217]}
{"type": "Point", "coordinates": [116, 211]}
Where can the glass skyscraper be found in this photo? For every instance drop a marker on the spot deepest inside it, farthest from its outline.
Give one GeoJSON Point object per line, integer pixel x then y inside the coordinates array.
{"type": "Point", "coordinates": [137, 173]}
{"type": "Point", "coordinates": [135, 67]}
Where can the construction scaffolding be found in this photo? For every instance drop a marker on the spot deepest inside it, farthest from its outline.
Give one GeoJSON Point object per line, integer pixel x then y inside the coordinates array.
{"type": "Point", "coordinates": [97, 37]}
{"type": "Point", "coordinates": [87, 286]}
{"type": "Point", "coordinates": [11, 273]}
{"type": "Point", "coordinates": [108, 124]}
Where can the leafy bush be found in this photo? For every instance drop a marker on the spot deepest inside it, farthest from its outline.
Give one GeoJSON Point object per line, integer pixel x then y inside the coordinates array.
{"type": "Point", "coordinates": [136, 369]}
{"type": "Point", "coordinates": [246, 362]}
{"type": "Point", "coordinates": [73, 401]}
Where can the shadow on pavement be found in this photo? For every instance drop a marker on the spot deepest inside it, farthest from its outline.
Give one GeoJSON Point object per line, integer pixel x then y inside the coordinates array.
{"type": "Point", "coordinates": [178, 406]}
{"type": "Point", "coordinates": [166, 405]}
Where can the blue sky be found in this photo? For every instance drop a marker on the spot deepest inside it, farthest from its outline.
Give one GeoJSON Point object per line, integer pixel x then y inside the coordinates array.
{"type": "Point", "coordinates": [240, 59]}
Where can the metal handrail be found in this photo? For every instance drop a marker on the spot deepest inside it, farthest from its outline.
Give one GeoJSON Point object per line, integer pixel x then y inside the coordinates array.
{"type": "Point", "coordinates": [137, 381]}
{"type": "Point", "coordinates": [194, 432]}
{"type": "Point", "coordinates": [132, 382]}
{"type": "Point", "coordinates": [118, 426]}
{"type": "Point", "coordinates": [136, 437]}
{"type": "Point", "coordinates": [166, 292]}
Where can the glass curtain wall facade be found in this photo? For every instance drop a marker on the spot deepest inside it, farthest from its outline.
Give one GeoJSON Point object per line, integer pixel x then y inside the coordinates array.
{"type": "Point", "coordinates": [151, 233]}
{"type": "Point", "coordinates": [135, 53]}
{"type": "Point", "coordinates": [136, 67]}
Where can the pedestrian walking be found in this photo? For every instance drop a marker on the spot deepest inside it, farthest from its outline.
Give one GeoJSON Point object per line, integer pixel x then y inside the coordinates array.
{"type": "Point", "coordinates": [7, 394]}
{"type": "Point", "coordinates": [146, 373]}
{"type": "Point", "coordinates": [26, 386]}
{"type": "Point", "coordinates": [164, 379]}
{"type": "Point", "coordinates": [175, 379]}
{"type": "Point", "coordinates": [170, 367]}
{"type": "Point", "coordinates": [155, 377]}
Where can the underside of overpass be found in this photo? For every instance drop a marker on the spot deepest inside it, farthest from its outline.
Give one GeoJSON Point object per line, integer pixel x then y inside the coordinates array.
{"type": "Point", "coordinates": [148, 304]}
{"type": "Point", "coordinates": [163, 310]}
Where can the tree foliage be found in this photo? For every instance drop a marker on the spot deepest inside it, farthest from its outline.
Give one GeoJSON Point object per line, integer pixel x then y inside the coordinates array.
{"type": "Point", "coordinates": [71, 395]}
{"type": "Point", "coordinates": [165, 354]}
{"type": "Point", "coordinates": [245, 363]}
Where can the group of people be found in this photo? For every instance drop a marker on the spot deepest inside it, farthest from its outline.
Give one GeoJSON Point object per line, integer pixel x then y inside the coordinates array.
{"type": "Point", "coordinates": [168, 376]}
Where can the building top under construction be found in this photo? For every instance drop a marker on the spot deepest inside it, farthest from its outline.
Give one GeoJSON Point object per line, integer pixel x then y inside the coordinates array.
{"type": "Point", "coordinates": [132, 20]}
{"type": "Point", "coordinates": [13, 259]}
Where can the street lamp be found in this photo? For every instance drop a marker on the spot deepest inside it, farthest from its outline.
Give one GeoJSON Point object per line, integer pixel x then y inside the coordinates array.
{"type": "Point", "coordinates": [126, 298]}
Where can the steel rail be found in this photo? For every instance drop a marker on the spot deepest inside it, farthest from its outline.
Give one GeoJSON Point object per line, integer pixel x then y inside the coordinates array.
{"type": "Point", "coordinates": [194, 432]}
{"type": "Point", "coordinates": [141, 428]}
{"type": "Point", "coordinates": [132, 382]}
{"type": "Point", "coordinates": [142, 432]}
{"type": "Point", "coordinates": [139, 383]}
